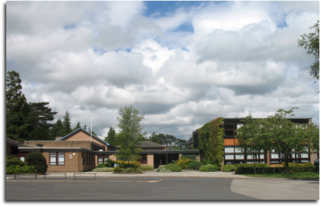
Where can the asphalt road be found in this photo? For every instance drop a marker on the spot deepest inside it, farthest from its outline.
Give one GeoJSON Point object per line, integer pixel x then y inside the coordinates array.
{"type": "Point", "coordinates": [126, 188]}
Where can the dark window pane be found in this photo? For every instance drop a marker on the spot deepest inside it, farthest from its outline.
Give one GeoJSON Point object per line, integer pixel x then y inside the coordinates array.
{"type": "Point", "coordinates": [229, 132]}
{"type": "Point", "coordinates": [228, 126]}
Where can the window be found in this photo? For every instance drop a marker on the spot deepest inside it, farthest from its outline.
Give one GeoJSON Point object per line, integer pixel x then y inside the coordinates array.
{"type": "Point", "coordinates": [229, 157]}
{"type": "Point", "coordinates": [239, 156]}
{"type": "Point", "coordinates": [239, 125]}
{"type": "Point", "coordinates": [261, 156]}
{"type": "Point", "coordinates": [102, 159]}
{"type": "Point", "coordinates": [143, 159]}
{"type": "Point", "coordinates": [229, 149]}
{"type": "Point", "coordinates": [56, 158]}
{"type": "Point", "coordinates": [228, 126]}
{"type": "Point", "coordinates": [238, 150]}
{"type": "Point", "coordinates": [229, 132]}
{"type": "Point", "coordinates": [304, 155]}
{"type": "Point", "coordinates": [23, 159]}
{"type": "Point", "coordinates": [274, 156]}
{"type": "Point", "coordinates": [250, 157]}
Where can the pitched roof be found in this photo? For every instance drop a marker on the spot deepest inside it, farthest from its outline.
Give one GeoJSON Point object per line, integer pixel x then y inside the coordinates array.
{"type": "Point", "coordinates": [149, 144]}
{"type": "Point", "coordinates": [13, 142]}
{"type": "Point", "coordinates": [58, 138]}
{"type": "Point", "coordinates": [80, 129]}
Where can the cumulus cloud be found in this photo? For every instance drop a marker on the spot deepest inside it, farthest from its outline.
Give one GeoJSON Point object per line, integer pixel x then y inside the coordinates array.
{"type": "Point", "coordinates": [180, 67]}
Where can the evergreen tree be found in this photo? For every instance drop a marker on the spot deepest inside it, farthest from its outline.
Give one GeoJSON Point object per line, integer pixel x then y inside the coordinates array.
{"type": "Point", "coordinates": [66, 124]}
{"type": "Point", "coordinates": [17, 108]}
{"type": "Point", "coordinates": [154, 138]}
{"type": "Point", "coordinates": [111, 138]}
{"type": "Point", "coordinates": [85, 127]}
{"type": "Point", "coordinates": [77, 127]}
{"type": "Point", "coordinates": [57, 130]}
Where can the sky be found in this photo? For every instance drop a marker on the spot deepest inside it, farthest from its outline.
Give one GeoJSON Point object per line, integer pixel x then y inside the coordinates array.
{"type": "Point", "coordinates": [181, 64]}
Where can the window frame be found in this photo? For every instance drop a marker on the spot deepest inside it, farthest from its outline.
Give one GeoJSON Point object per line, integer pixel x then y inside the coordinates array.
{"type": "Point", "coordinates": [56, 155]}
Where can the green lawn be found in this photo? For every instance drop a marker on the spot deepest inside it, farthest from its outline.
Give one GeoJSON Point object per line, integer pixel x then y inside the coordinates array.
{"type": "Point", "coordinates": [289, 175]}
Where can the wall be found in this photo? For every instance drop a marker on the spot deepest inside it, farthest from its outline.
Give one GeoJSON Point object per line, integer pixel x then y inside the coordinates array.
{"type": "Point", "coordinates": [84, 137]}
{"type": "Point", "coordinates": [83, 144]}
{"type": "Point", "coordinates": [70, 164]}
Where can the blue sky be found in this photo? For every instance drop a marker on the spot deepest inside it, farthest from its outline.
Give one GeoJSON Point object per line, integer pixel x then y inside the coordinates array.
{"type": "Point", "coordinates": [181, 64]}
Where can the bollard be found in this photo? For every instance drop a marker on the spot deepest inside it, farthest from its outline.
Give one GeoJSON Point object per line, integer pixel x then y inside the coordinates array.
{"type": "Point", "coordinates": [74, 175]}
{"type": "Point", "coordinates": [65, 175]}
{"type": "Point", "coordinates": [14, 175]}
{"type": "Point", "coordinates": [35, 175]}
{"type": "Point", "coordinates": [44, 176]}
{"type": "Point", "coordinates": [94, 175]}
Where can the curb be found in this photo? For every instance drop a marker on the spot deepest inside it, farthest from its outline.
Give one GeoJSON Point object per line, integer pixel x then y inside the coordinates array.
{"type": "Point", "coordinates": [140, 181]}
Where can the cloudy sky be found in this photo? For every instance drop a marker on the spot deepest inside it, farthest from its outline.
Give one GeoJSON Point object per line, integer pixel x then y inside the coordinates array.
{"type": "Point", "coordinates": [181, 64]}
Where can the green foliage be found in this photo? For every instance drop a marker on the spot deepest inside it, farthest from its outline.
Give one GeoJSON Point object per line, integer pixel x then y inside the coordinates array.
{"type": "Point", "coordinates": [228, 168]}
{"type": "Point", "coordinates": [101, 165]}
{"type": "Point", "coordinates": [14, 161]}
{"type": "Point", "coordinates": [182, 163]}
{"type": "Point", "coordinates": [130, 130]}
{"type": "Point", "coordinates": [258, 165]}
{"type": "Point", "coordinates": [250, 170]}
{"type": "Point", "coordinates": [173, 167]}
{"type": "Point", "coordinates": [207, 162]}
{"type": "Point", "coordinates": [126, 164]}
{"type": "Point", "coordinates": [78, 126]}
{"type": "Point", "coordinates": [210, 138]}
{"type": "Point", "coordinates": [117, 169]}
{"type": "Point", "coordinates": [189, 156]}
{"type": "Point", "coordinates": [293, 164]}
{"type": "Point", "coordinates": [66, 124]}
{"type": "Point", "coordinates": [193, 164]}
{"type": "Point", "coordinates": [209, 168]}
{"type": "Point", "coordinates": [111, 138]}
{"type": "Point", "coordinates": [19, 169]}
{"type": "Point", "coordinates": [311, 43]}
{"type": "Point", "coordinates": [38, 161]}
{"type": "Point", "coordinates": [109, 163]}
{"type": "Point", "coordinates": [102, 169]}
{"type": "Point", "coordinates": [146, 168]}
{"type": "Point", "coordinates": [162, 168]}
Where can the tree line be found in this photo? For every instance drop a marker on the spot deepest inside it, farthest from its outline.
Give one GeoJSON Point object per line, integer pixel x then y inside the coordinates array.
{"type": "Point", "coordinates": [32, 120]}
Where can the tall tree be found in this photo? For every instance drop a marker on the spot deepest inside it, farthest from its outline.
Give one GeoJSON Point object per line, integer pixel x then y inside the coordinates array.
{"type": "Point", "coordinates": [311, 43]}
{"type": "Point", "coordinates": [66, 124]}
{"type": "Point", "coordinates": [111, 138]}
{"type": "Point", "coordinates": [130, 130]}
{"type": "Point", "coordinates": [85, 127]}
{"type": "Point", "coordinates": [251, 139]}
{"type": "Point", "coordinates": [57, 130]}
{"type": "Point", "coordinates": [154, 138]}
{"type": "Point", "coordinates": [77, 126]}
{"type": "Point", "coordinates": [17, 108]}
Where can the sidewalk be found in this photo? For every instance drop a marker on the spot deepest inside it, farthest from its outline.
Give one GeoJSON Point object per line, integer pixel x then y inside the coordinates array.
{"type": "Point", "coordinates": [153, 173]}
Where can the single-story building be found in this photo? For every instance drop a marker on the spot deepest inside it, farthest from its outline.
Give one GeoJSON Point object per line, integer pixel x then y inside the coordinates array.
{"type": "Point", "coordinates": [80, 151]}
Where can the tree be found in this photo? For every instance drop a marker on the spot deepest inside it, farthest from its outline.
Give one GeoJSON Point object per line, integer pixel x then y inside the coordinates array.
{"type": "Point", "coordinates": [130, 130]}
{"type": "Point", "coordinates": [311, 43]}
{"type": "Point", "coordinates": [154, 138]}
{"type": "Point", "coordinates": [284, 135]}
{"type": "Point", "coordinates": [111, 138]}
{"type": "Point", "coordinates": [251, 139]}
{"type": "Point", "coordinates": [17, 108]}
{"type": "Point", "coordinates": [38, 161]}
{"type": "Point", "coordinates": [85, 127]}
{"type": "Point", "coordinates": [66, 124]}
{"type": "Point", "coordinates": [57, 130]}
{"type": "Point", "coordinates": [311, 133]}
{"type": "Point", "coordinates": [92, 132]}
{"type": "Point", "coordinates": [77, 126]}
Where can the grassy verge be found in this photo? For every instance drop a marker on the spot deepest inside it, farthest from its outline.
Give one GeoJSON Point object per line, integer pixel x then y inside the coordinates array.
{"type": "Point", "coordinates": [289, 175]}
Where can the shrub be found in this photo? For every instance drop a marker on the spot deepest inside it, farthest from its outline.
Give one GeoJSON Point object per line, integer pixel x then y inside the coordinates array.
{"type": "Point", "coordinates": [14, 161]}
{"type": "Point", "coordinates": [228, 168]}
{"type": "Point", "coordinates": [258, 165]}
{"type": "Point", "coordinates": [193, 164]}
{"type": "Point", "coordinates": [103, 169]}
{"type": "Point", "coordinates": [174, 167]}
{"type": "Point", "coordinates": [38, 161]}
{"type": "Point", "coordinates": [101, 165]}
{"type": "Point", "coordinates": [293, 164]}
{"type": "Point", "coordinates": [207, 162]}
{"type": "Point", "coordinates": [19, 169]}
{"type": "Point", "coordinates": [164, 170]}
{"type": "Point", "coordinates": [208, 168]}
{"type": "Point", "coordinates": [10, 169]}
{"type": "Point", "coordinates": [250, 170]}
{"type": "Point", "coordinates": [182, 163]}
{"type": "Point", "coordinates": [190, 156]}
{"type": "Point", "coordinates": [125, 164]}
{"type": "Point", "coordinates": [117, 169]}
{"type": "Point", "coordinates": [109, 163]}
{"type": "Point", "coordinates": [146, 167]}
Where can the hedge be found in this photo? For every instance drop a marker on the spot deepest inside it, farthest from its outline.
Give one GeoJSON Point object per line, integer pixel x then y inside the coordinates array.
{"type": "Point", "coordinates": [174, 167]}
{"type": "Point", "coordinates": [208, 168]}
{"type": "Point", "coordinates": [19, 169]}
{"type": "Point", "coordinates": [258, 165]}
{"type": "Point", "coordinates": [193, 164]}
{"type": "Point", "coordinates": [293, 164]}
{"type": "Point", "coordinates": [250, 170]}
{"type": "Point", "coordinates": [228, 168]}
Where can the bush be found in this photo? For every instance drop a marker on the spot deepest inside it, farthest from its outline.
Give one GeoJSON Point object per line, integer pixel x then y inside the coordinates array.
{"type": "Point", "coordinates": [101, 165]}
{"type": "Point", "coordinates": [208, 168]}
{"type": "Point", "coordinates": [146, 167]}
{"type": "Point", "coordinates": [125, 164]}
{"type": "Point", "coordinates": [250, 170]}
{"type": "Point", "coordinates": [109, 163]}
{"type": "Point", "coordinates": [38, 161]}
{"type": "Point", "coordinates": [190, 157]}
{"type": "Point", "coordinates": [193, 164]}
{"type": "Point", "coordinates": [228, 168]}
{"type": "Point", "coordinates": [182, 163]}
{"type": "Point", "coordinates": [174, 167]}
{"type": "Point", "coordinates": [14, 161]}
{"type": "Point", "coordinates": [18, 169]}
{"type": "Point", "coordinates": [164, 170]}
{"type": "Point", "coordinates": [10, 169]}
{"type": "Point", "coordinates": [293, 164]}
{"type": "Point", "coordinates": [117, 169]}
{"type": "Point", "coordinates": [258, 165]}
{"type": "Point", "coordinates": [103, 169]}
{"type": "Point", "coordinates": [207, 162]}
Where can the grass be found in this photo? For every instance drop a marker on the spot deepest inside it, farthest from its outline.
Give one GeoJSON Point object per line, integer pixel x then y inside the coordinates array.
{"type": "Point", "coordinates": [288, 175]}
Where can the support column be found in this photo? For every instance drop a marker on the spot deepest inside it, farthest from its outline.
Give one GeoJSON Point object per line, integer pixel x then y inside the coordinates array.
{"type": "Point", "coordinates": [268, 157]}
{"type": "Point", "coordinates": [180, 155]}
{"type": "Point", "coordinates": [166, 158]}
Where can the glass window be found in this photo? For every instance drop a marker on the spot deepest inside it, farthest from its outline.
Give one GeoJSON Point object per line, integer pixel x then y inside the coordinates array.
{"type": "Point", "coordinates": [304, 160]}
{"type": "Point", "coordinates": [229, 149]}
{"type": "Point", "coordinates": [274, 156]}
{"type": "Point", "coordinates": [228, 126]}
{"type": "Point", "coordinates": [250, 157]}
{"type": "Point", "coordinates": [239, 156]}
{"type": "Point", "coordinates": [274, 161]}
{"type": "Point", "coordinates": [53, 158]}
{"type": "Point", "coordinates": [23, 159]}
{"type": "Point", "coordinates": [306, 149]}
{"type": "Point", "coordinates": [262, 156]}
{"type": "Point", "coordinates": [229, 157]}
{"type": "Point", "coordinates": [100, 160]}
{"type": "Point", "coordinates": [61, 158]}
{"type": "Point", "coordinates": [238, 150]}
{"type": "Point", "coordinates": [304, 155]}
{"type": "Point", "coordinates": [229, 132]}
{"type": "Point", "coordinates": [250, 162]}
{"type": "Point", "coordinates": [262, 161]}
